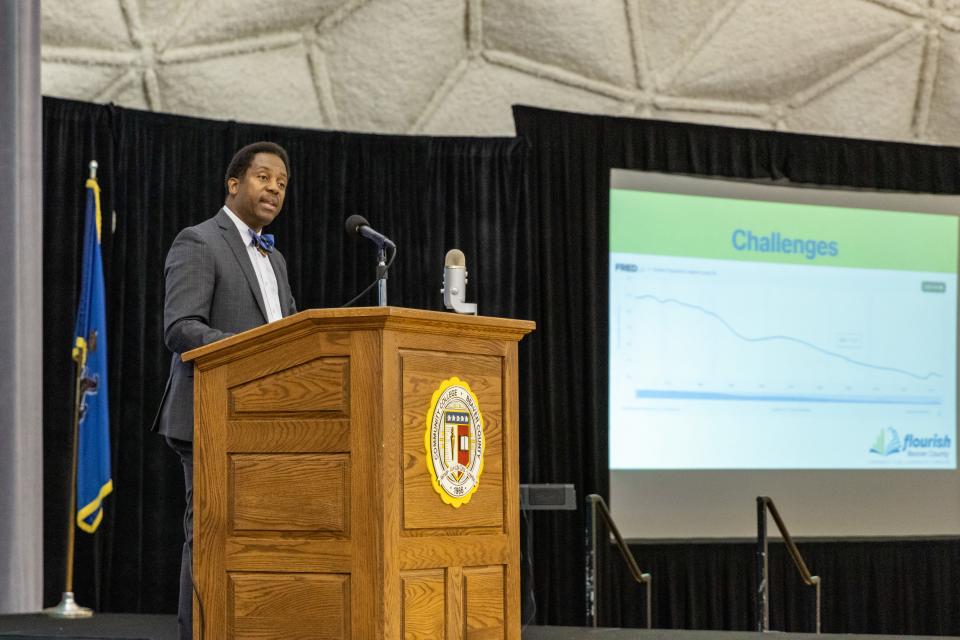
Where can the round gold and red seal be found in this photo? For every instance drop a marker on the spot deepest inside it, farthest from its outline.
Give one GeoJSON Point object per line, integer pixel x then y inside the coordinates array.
{"type": "Point", "coordinates": [454, 442]}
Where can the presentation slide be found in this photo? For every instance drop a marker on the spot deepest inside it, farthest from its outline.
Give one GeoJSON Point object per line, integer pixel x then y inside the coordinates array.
{"type": "Point", "coordinates": [758, 333]}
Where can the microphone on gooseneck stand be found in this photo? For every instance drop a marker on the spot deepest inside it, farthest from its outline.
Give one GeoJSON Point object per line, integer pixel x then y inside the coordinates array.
{"type": "Point", "coordinates": [455, 283]}
{"type": "Point", "coordinates": [357, 226]}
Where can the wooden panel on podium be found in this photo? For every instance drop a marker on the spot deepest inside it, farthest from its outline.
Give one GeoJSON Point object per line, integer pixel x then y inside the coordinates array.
{"type": "Point", "coordinates": [356, 476]}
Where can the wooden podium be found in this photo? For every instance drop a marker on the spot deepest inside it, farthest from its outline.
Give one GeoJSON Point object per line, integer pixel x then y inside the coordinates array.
{"type": "Point", "coordinates": [318, 511]}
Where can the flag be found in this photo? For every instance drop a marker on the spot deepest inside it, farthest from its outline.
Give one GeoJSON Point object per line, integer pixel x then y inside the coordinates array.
{"type": "Point", "coordinates": [90, 354]}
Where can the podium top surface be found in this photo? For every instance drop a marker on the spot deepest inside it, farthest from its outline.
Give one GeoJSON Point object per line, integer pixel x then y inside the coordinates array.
{"type": "Point", "coordinates": [365, 318]}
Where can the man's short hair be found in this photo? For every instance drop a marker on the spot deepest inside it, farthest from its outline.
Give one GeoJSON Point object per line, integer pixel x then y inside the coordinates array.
{"type": "Point", "coordinates": [244, 157]}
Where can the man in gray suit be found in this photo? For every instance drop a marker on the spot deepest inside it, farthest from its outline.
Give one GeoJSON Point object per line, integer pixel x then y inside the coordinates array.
{"type": "Point", "coordinates": [222, 277]}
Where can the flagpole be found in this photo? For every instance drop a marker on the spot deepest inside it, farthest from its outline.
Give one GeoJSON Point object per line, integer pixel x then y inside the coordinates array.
{"type": "Point", "coordinates": [68, 607]}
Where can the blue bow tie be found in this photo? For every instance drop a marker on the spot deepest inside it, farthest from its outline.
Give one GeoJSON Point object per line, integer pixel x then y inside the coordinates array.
{"type": "Point", "coordinates": [263, 241]}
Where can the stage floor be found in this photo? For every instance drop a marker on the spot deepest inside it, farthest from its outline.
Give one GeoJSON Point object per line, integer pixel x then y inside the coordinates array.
{"type": "Point", "coordinates": [578, 633]}
{"type": "Point", "coordinates": [122, 626]}
{"type": "Point", "coordinates": [102, 626]}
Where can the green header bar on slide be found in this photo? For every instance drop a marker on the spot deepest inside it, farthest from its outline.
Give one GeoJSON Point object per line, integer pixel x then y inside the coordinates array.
{"type": "Point", "coordinates": [670, 224]}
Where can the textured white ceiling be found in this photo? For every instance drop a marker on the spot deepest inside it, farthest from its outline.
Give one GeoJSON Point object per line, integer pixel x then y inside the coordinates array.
{"type": "Point", "coordinates": [865, 68]}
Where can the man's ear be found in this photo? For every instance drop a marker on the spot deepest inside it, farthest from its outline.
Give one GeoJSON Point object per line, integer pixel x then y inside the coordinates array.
{"type": "Point", "coordinates": [233, 185]}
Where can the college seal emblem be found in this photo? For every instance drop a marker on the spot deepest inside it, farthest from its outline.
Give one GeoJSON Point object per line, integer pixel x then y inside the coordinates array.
{"type": "Point", "coordinates": [454, 442]}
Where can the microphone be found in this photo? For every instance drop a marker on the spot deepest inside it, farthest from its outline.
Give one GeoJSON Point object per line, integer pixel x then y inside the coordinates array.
{"type": "Point", "coordinates": [455, 283]}
{"type": "Point", "coordinates": [358, 226]}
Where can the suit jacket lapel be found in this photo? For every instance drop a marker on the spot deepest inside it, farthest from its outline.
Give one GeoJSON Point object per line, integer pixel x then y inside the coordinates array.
{"type": "Point", "coordinates": [234, 241]}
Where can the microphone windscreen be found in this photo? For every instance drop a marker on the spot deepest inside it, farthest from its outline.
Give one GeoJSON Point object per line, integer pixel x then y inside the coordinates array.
{"type": "Point", "coordinates": [454, 258]}
{"type": "Point", "coordinates": [354, 223]}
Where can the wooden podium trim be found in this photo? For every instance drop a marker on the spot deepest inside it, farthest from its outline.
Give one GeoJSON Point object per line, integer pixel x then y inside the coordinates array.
{"type": "Point", "coordinates": [394, 318]}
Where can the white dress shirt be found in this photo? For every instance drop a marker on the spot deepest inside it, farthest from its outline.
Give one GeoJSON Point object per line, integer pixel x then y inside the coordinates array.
{"type": "Point", "coordinates": [262, 267]}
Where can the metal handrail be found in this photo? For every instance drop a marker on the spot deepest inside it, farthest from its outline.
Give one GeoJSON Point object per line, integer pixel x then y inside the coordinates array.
{"type": "Point", "coordinates": [765, 505]}
{"type": "Point", "coordinates": [595, 503]}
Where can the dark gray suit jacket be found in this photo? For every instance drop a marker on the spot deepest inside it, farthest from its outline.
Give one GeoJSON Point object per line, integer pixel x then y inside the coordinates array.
{"type": "Point", "coordinates": [211, 293]}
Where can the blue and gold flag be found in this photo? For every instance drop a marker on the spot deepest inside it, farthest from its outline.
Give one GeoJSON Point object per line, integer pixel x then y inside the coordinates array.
{"type": "Point", "coordinates": [90, 353]}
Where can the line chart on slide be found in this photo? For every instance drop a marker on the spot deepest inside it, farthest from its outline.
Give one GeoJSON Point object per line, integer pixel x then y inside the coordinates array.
{"type": "Point", "coordinates": [690, 328]}
{"type": "Point", "coordinates": [793, 353]}
{"type": "Point", "coordinates": [839, 373]}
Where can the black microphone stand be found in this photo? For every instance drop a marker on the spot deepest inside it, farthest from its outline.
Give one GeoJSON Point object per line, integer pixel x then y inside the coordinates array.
{"type": "Point", "coordinates": [357, 226]}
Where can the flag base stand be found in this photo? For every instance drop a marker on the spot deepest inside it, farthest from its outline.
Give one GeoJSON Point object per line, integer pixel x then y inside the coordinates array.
{"type": "Point", "coordinates": [68, 608]}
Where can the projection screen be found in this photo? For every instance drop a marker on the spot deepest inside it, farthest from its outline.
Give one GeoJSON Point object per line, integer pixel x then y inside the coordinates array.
{"type": "Point", "coordinates": [788, 341]}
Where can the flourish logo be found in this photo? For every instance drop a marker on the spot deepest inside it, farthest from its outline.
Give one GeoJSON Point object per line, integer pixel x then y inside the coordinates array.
{"type": "Point", "coordinates": [887, 443]}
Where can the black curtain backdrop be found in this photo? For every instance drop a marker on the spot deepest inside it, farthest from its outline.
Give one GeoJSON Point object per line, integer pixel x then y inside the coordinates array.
{"type": "Point", "coordinates": [531, 215]}
{"type": "Point", "coordinates": [875, 586]}
{"type": "Point", "coordinates": [896, 587]}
